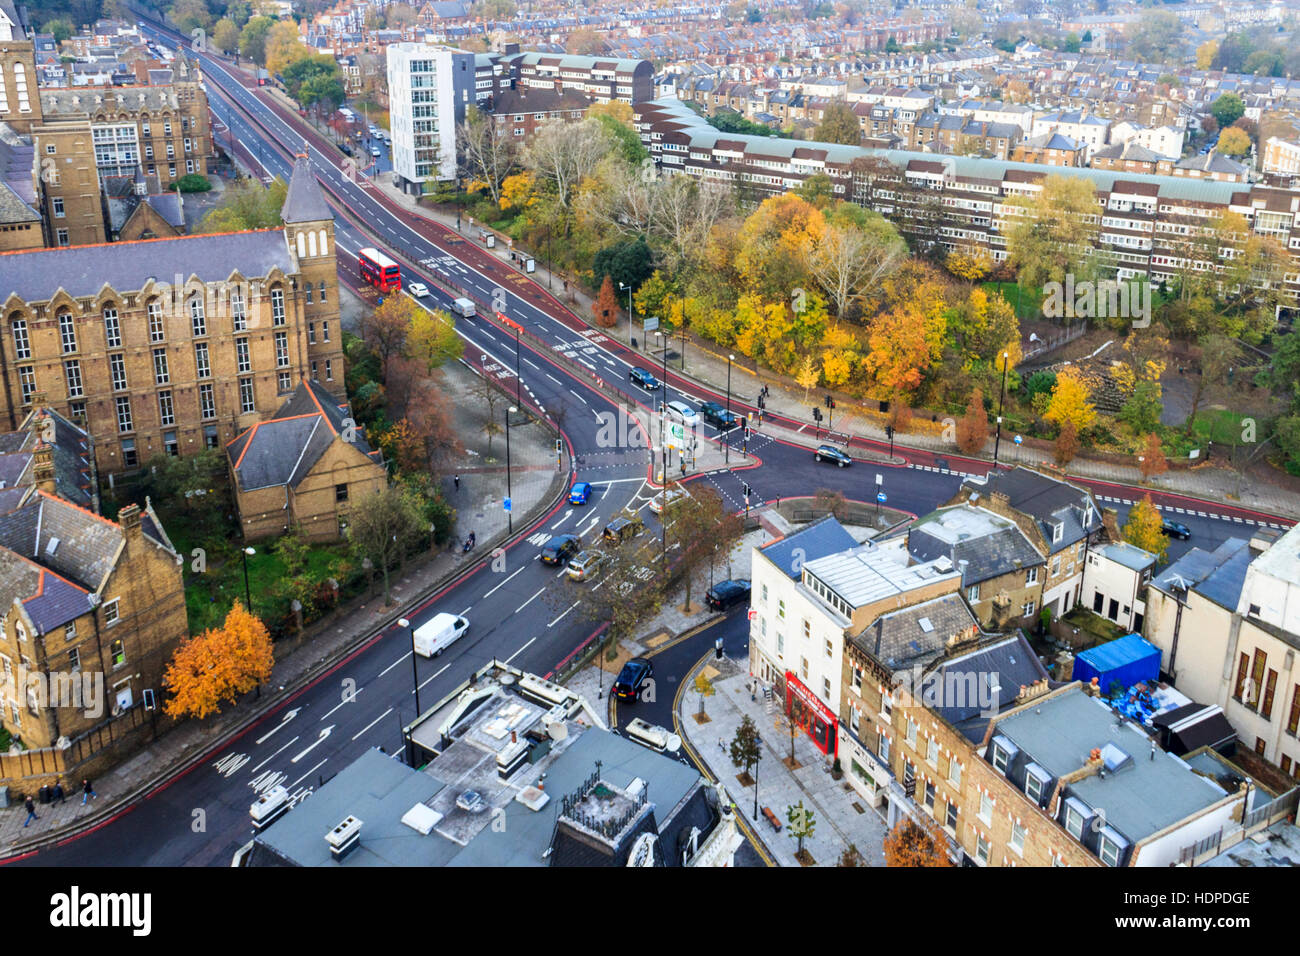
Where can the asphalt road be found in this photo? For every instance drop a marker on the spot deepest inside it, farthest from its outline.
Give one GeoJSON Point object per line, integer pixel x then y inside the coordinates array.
{"type": "Point", "coordinates": [311, 736]}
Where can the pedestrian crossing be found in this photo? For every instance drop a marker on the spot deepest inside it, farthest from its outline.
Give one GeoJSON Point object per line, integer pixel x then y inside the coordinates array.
{"type": "Point", "coordinates": [943, 471]}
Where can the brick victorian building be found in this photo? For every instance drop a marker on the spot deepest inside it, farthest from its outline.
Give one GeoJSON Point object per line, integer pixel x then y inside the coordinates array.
{"type": "Point", "coordinates": [91, 610]}
{"type": "Point", "coordinates": [172, 345]}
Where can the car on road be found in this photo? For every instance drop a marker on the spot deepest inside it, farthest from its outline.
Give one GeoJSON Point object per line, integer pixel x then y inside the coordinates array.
{"type": "Point", "coordinates": [727, 594]}
{"type": "Point", "coordinates": [633, 678]}
{"type": "Point", "coordinates": [560, 548]}
{"type": "Point", "coordinates": [433, 636]}
{"type": "Point", "coordinates": [417, 289]}
{"type": "Point", "coordinates": [717, 416]}
{"type": "Point", "coordinates": [639, 376]}
{"type": "Point", "coordinates": [683, 413]}
{"type": "Point", "coordinates": [584, 564]}
{"type": "Point", "coordinates": [1175, 530]}
{"type": "Point", "coordinates": [622, 528]}
{"type": "Point", "coordinates": [374, 151]}
{"type": "Point", "coordinates": [668, 498]}
{"type": "Point", "coordinates": [833, 453]}
{"type": "Point", "coordinates": [579, 493]}
{"type": "Point", "coordinates": [347, 150]}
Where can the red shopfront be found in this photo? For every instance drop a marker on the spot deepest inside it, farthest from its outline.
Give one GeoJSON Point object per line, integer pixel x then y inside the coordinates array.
{"type": "Point", "coordinates": [813, 717]}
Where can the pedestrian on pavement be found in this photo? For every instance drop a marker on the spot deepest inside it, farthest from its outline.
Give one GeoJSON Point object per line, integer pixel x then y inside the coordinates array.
{"type": "Point", "coordinates": [58, 793]}
{"type": "Point", "coordinates": [456, 480]}
{"type": "Point", "coordinates": [30, 804]}
{"type": "Point", "coordinates": [87, 792]}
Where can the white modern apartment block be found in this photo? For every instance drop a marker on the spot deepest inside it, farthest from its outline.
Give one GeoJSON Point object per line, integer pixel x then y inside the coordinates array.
{"type": "Point", "coordinates": [428, 89]}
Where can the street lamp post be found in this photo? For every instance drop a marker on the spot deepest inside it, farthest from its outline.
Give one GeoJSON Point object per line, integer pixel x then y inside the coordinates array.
{"type": "Point", "coordinates": [997, 442]}
{"type": "Point", "coordinates": [248, 598]}
{"type": "Point", "coordinates": [519, 395]}
{"type": "Point", "coordinates": [628, 289]}
{"type": "Point", "coordinates": [510, 512]}
{"type": "Point", "coordinates": [726, 454]}
{"type": "Point", "coordinates": [758, 756]}
{"type": "Point", "coordinates": [663, 443]}
{"type": "Point", "coordinates": [415, 675]}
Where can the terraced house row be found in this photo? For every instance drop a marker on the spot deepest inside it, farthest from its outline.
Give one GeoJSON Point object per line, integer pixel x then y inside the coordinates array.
{"type": "Point", "coordinates": [1148, 223]}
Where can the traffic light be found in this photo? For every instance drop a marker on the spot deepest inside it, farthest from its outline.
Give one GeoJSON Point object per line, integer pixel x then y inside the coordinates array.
{"type": "Point", "coordinates": [828, 402]}
{"type": "Point", "coordinates": [889, 432]}
{"type": "Point", "coordinates": [661, 408]}
{"type": "Point", "coordinates": [745, 485]}
{"type": "Point", "coordinates": [817, 414]}
{"type": "Point", "coordinates": [559, 445]}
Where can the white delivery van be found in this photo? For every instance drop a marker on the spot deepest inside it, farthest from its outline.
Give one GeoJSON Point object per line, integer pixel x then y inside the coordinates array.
{"type": "Point", "coordinates": [434, 635]}
{"type": "Point", "coordinates": [463, 307]}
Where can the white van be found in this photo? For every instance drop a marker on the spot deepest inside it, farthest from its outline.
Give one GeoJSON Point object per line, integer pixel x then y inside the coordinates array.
{"type": "Point", "coordinates": [463, 307]}
{"type": "Point", "coordinates": [439, 633]}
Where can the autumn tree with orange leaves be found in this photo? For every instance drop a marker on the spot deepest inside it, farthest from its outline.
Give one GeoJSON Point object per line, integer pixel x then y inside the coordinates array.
{"type": "Point", "coordinates": [973, 429]}
{"type": "Point", "coordinates": [1151, 460]}
{"type": "Point", "coordinates": [916, 844]}
{"type": "Point", "coordinates": [605, 309]}
{"type": "Point", "coordinates": [218, 665]}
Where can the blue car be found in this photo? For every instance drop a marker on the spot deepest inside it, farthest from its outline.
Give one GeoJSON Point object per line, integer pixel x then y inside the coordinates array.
{"type": "Point", "coordinates": [579, 493]}
{"type": "Point", "coordinates": [639, 376]}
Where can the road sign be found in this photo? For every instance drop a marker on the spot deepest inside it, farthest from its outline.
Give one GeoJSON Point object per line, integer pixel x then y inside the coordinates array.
{"type": "Point", "coordinates": [751, 614]}
{"type": "Point", "coordinates": [1018, 440]}
{"type": "Point", "coordinates": [507, 504]}
{"type": "Point", "coordinates": [650, 323]}
{"type": "Point", "coordinates": [880, 496]}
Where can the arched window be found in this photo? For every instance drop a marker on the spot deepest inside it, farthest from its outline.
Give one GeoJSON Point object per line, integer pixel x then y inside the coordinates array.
{"type": "Point", "coordinates": [302, 246]}
{"type": "Point", "coordinates": [324, 243]}
{"type": "Point", "coordinates": [20, 87]}
{"type": "Point", "coordinates": [311, 244]}
{"type": "Point", "coordinates": [322, 291]}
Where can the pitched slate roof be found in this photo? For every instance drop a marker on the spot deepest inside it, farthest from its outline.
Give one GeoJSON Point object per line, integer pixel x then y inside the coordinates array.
{"type": "Point", "coordinates": [284, 449]}
{"type": "Point", "coordinates": [304, 201]}
{"type": "Point", "coordinates": [918, 634]}
{"type": "Point", "coordinates": [989, 544]}
{"type": "Point", "coordinates": [1217, 575]}
{"type": "Point", "coordinates": [817, 540]}
{"type": "Point", "coordinates": [1046, 500]}
{"type": "Point", "coordinates": [69, 540]}
{"type": "Point", "coordinates": [1005, 665]}
{"type": "Point", "coordinates": [127, 266]}
{"type": "Point", "coordinates": [49, 600]}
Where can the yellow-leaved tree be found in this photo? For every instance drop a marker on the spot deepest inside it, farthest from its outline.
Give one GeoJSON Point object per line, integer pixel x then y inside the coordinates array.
{"type": "Point", "coordinates": [517, 191]}
{"type": "Point", "coordinates": [1070, 401]}
{"type": "Point", "coordinates": [1145, 528]}
{"type": "Point", "coordinates": [218, 665]}
{"type": "Point", "coordinates": [433, 340]}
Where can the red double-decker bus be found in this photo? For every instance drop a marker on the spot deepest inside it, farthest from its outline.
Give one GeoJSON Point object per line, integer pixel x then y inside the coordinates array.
{"type": "Point", "coordinates": [379, 270]}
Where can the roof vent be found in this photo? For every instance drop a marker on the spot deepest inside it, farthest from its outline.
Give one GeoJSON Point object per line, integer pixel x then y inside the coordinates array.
{"type": "Point", "coordinates": [51, 547]}
{"type": "Point", "coordinates": [344, 838]}
{"type": "Point", "coordinates": [926, 625]}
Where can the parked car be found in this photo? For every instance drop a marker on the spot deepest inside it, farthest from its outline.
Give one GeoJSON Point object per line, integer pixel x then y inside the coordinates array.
{"type": "Point", "coordinates": [585, 564]}
{"type": "Point", "coordinates": [633, 678]}
{"type": "Point", "coordinates": [374, 151]}
{"type": "Point", "coordinates": [1175, 530]}
{"type": "Point", "coordinates": [417, 289]}
{"type": "Point", "coordinates": [622, 528]}
{"type": "Point", "coordinates": [639, 376]}
{"type": "Point", "coordinates": [683, 413]}
{"type": "Point", "coordinates": [560, 548]}
{"type": "Point", "coordinates": [668, 497]}
{"type": "Point", "coordinates": [579, 493]}
{"type": "Point", "coordinates": [727, 594]}
{"type": "Point", "coordinates": [717, 416]}
{"type": "Point", "coordinates": [834, 454]}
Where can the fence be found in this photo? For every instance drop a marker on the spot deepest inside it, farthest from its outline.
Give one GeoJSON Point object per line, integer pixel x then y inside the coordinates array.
{"type": "Point", "coordinates": [34, 768]}
{"type": "Point", "coordinates": [1053, 342]}
{"type": "Point", "coordinates": [1261, 818]}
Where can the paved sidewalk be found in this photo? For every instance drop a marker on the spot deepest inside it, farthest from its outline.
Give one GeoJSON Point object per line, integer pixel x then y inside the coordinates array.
{"type": "Point", "coordinates": [535, 488]}
{"type": "Point", "coordinates": [1208, 482]}
{"type": "Point", "coordinates": [840, 815]}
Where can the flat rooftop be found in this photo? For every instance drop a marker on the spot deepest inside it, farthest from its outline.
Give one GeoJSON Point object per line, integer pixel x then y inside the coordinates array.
{"type": "Point", "coordinates": [867, 573]}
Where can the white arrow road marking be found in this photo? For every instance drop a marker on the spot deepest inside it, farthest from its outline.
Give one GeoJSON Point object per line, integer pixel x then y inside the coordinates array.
{"type": "Point", "coordinates": [273, 756]}
{"type": "Point", "coordinates": [562, 520]}
{"type": "Point", "coordinates": [323, 734]}
{"type": "Point", "coordinates": [373, 722]}
{"type": "Point", "coordinates": [284, 720]}
{"type": "Point", "coordinates": [230, 763]}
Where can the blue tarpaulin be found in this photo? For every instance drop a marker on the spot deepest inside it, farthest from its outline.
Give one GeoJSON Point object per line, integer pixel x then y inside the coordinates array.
{"type": "Point", "coordinates": [1126, 661]}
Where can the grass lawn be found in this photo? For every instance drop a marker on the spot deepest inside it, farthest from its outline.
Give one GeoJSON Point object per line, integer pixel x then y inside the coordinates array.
{"type": "Point", "coordinates": [1218, 425]}
{"type": "Point", "coordinates": [1028, 302]}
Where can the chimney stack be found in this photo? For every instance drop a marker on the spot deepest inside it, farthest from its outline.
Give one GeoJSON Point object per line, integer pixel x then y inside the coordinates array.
{"type": "Point", "coordinates": [129, 519]}
{"type": "Point", "coordinates": [43, 468]}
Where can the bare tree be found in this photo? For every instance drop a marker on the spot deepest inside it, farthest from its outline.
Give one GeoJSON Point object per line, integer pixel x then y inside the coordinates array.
{"type": "Point", "coordinates": [485, 394]}
{"type": "Point", "coordinates": [682, 212]}
{"type": "Point", "coordinates": [849, 263]}
{"type": "Point", "coordinates": [564, 154]}
{"type": "Point", "coordinates": [489, 153]}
